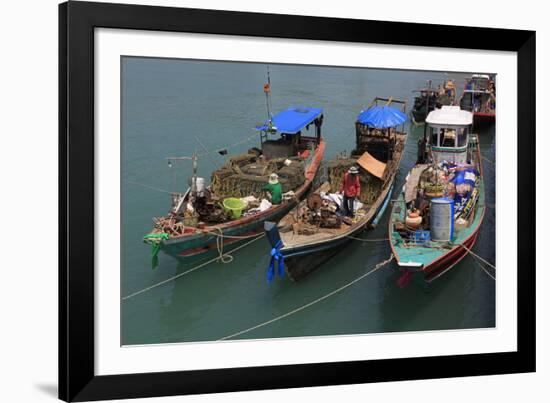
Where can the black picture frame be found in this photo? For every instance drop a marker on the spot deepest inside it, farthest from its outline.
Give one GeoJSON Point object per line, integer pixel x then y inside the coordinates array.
{"type": "Point", "coordinates": [77, 21]}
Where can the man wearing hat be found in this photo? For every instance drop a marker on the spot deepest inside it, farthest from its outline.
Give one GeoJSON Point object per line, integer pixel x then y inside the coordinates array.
{"type": "Point", "coordinates": [274, 188]}
{"type": "Point", "coordinates": [351, 189]}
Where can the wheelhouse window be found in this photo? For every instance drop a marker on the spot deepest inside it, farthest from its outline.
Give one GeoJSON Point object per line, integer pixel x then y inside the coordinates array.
{"type": "Point", "coordinates": [462, 139]}
{"type": "Point", "coordinates": [449, 138]}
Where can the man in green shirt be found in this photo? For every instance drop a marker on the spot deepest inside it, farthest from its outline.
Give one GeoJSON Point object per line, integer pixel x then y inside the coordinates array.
{"type": "Point", "coordinates": [274, 188]}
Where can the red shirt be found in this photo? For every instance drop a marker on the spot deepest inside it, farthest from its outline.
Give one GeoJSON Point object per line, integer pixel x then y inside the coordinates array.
{"type": "Point", "coordinates": [350, 185]}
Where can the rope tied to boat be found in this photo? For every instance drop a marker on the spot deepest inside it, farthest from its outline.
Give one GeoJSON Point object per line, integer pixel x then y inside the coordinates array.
{"type": "Point", "coordinates": [149, 187]}
{"type": "Point", "coordinates": [477, 256]}
{"type": "Point", "coordinates": [276, 257]}
{"type": "Point", "coordinates": [190, 270]}
{"type": "Point", "coordinates": [301, 308]}
{"type": "Point", "coordinates": [224, 258]}
{"type": "Point", "coordinates": [367, 240]}
{"type": "Point", "coordinates": [482, 260]}
{"type": "Point", "coordinates": [488, 160]}
{"type": "Point", "coordinates": [484, 269]}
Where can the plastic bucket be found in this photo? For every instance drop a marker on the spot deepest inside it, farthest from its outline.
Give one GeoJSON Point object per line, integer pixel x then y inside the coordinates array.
{"type": "Point", "coordinates": [234, 206]}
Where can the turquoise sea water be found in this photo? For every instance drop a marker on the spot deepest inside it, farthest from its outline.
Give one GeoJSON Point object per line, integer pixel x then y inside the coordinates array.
{"type": "Point", "coordinates": [166, 105]}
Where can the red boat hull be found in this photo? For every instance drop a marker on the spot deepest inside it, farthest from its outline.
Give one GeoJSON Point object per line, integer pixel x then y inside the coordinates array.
{"type": "Point", "coordinates": [449, 260]}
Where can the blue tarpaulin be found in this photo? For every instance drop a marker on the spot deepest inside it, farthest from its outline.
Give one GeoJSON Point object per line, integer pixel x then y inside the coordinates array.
{"type": "Point", "coordinates": [292, 120]}
{"type": "Point", "coordinates": [382, 117]}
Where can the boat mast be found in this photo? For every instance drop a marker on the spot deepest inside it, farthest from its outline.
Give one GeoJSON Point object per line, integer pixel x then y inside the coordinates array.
{"type": "Point", "coordinates": [194, 158]}
{"type": "Point", "coordinates": [267, 91]}
{"type": "Point", "coordinates": [425, 140]}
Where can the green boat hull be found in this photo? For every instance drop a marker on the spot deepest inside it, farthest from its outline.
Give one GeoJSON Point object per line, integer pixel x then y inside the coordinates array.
{"type": "Point", "coordinates": [425, 264]}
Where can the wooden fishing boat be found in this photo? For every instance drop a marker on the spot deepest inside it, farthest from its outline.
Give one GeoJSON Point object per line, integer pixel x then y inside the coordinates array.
{"type": "Point", "coordinates": [430, 98]}
{"type": "Point", "coordinates": [198, 226]}
{"type": "Point", "coordinates": [437, 216]}
{"type": "Point", "coordinates": [316, 230]}
{"type": "Point", "coordinates": [479, 97]}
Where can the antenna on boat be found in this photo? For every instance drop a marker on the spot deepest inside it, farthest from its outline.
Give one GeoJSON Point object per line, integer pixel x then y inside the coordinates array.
{"type": "Point", "coordinates": [424, 140]}
{"type": "Point", "coordinates": [194, 158]}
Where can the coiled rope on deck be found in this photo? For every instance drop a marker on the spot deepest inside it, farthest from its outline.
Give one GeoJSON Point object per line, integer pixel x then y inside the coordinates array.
{"type": "Point", "coordinates": [192, 269]}
{"type": "Point", "coordinates": [301, 308]}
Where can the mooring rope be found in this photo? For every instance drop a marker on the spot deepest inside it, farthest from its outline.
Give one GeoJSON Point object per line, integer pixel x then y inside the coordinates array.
{"type": "Point", "coordinates": [477, 256]}
{"type": "Point", "coordinates": [367, 240]}
{"type": "Point", "coordinates": [484, 269]}
{"type": "Point", "coordinates": [377, 267]}
{"type": "Point", "coordinates": [488, 160]}
{"type": "Point", "coordinates": [190, 270]}
{"type": "Point", "coordinates": [225, 258]}
{"type": "Point", "coordinates": [207, 153]}
{"type": "Point", "coordinates": [222, 235]}
{"type": "Point", "coordinates": [245, 140]}
{"type": "Point", "coordinates": [149, 187]}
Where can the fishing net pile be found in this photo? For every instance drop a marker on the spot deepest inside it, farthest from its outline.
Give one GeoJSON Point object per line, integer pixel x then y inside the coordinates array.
{"type": "Point", "coordinates": [370, 185]}
{"type": "Point", "coordinates": [246, 174]}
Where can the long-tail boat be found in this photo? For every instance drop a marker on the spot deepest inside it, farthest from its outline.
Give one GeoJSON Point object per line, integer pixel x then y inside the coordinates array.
{"type": "Point", "coordinates": [430, 98]}
{"type": "Point", "coordinates": [199, 223]}
{"type": "Point", "coordinates": [317, 229]}
{"type": "Point", "coordinates": [436, 217]}
{"type": "Point", "coordinates": [479, 97]}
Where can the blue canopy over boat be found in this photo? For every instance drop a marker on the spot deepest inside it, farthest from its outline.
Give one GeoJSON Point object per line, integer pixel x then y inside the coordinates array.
{"type": "Point", "coordinates": [291, 120]}
{"type": "Point", "coordinates": [382, 117]}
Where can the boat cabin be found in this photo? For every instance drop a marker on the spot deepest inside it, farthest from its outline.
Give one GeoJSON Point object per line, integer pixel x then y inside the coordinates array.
{"type": "Point", "coordinates": [478, 95]}
{"type": "Point", "coordinates": [449, 130]}
{"type": "Point", "coordinates": [377, 128]}
{"type": "Point", "coordinates": [299, 132]}
{"type": "Point", "coordinates": [478, 82]}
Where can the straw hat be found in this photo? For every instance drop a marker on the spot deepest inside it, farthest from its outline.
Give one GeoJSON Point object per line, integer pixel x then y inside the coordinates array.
{"type": "Point", "coordinates": [273, 179]}
{"type": "Point", "coordinates": [353, 170]}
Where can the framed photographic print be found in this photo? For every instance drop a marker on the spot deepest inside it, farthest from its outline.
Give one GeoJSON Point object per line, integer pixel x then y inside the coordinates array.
{"type": "Point", "coordinates": [258, 201]}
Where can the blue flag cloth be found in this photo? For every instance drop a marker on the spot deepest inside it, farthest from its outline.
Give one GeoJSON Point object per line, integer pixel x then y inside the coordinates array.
{"type": "Point", "coordinates": [276, 256]}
